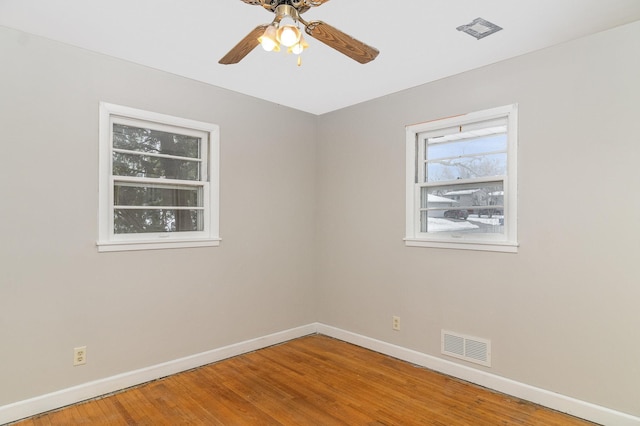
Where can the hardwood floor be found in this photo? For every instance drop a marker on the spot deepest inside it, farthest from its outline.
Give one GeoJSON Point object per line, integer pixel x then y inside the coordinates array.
{"type": "Point", "coordinates": [314, 380]}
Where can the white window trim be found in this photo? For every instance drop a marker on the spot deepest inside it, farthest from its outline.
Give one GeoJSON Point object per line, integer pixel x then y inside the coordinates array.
{"type": "Point", "coordinates": [106, 241]}
{"type": "Point", "coordinates": [413, 236]}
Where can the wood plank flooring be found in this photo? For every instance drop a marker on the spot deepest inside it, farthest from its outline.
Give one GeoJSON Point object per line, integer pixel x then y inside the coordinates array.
{"type": "Point", "coordinates": [314, 380]}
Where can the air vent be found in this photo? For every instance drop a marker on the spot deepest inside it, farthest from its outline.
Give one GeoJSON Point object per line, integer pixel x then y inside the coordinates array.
{"type": "Point", "coordinates": [472, 349]}
{"type": "Point", "coordinates": [479, 28]}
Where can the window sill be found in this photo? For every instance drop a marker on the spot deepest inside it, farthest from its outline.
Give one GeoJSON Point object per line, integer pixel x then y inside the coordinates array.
{"type": "Point", "coordinates": [504, 247]}
{"type": "Point", "coordinates": [106, 246]}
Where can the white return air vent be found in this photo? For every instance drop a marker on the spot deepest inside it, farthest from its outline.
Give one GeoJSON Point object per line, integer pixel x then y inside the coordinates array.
{"type": "Point", "coordinates": [472, 349]}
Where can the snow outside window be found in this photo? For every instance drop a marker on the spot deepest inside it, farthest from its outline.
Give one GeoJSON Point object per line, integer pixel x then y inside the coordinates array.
{"type": "Point", "coordinates": [158, 181]}
{"type": "Point", "coordinates": [462, 181]}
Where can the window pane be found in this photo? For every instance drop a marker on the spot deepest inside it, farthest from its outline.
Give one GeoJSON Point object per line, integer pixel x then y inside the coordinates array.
{"type": "Point", "coordinates": [154, 141]}
{"type": "Point", "coordinates": [466, 167]}
{"type": "Point", "coordinates": [126, 194]}
{"type": "Point", "coordinates": [154, 167]}
{"type": "Point", "coordinates": [127, 221]}
{"type": "Point", "coordinates": [467, 147]}
{"type": "Point", "coordinates": [463, 208]}
{"type": "Point", "coordinates": [433, 221]}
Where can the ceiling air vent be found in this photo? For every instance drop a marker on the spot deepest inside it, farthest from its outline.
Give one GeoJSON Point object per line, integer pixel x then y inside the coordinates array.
{"type": "Point", "coordinates": [479, 28]}
{"type": "Point", "coordinates": [472, 349]}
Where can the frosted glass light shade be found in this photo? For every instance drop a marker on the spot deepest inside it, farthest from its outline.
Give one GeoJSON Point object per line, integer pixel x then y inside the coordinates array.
{"type": "Point", "coordinates": [298, 47]}
{"type": "Point", "coordinates": [288, 35]}
{"type": "Point", "coordinates": [268, 40]}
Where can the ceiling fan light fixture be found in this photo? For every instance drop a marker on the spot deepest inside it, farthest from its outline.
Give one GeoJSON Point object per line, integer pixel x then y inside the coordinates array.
{"type": "Point", "coordinates": [269, 40]}
{"type": "Point", "coordinates": [288, 35]}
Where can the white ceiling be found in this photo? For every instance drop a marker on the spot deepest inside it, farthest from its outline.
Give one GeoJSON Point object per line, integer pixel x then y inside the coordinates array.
{"type": "Point", "coordinates": [417, 39]}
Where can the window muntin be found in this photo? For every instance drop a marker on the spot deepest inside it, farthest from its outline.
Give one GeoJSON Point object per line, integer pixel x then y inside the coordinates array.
{"type": "Point", "coordinates": [461, 181]}
{"type": "Point", "coordinates": [158, 181]}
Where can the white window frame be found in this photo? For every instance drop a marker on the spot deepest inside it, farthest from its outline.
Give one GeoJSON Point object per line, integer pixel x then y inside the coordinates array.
{"type": "Point", "coordinates": [108, 240]}
{"type": "Point", "coordinates": [507, 242]}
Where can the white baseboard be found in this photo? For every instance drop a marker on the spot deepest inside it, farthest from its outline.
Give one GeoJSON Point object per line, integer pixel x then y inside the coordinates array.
{"type": "Point", "coordinates": [61, 398]}
{"type": "Point", "coordinates": [555, 401]}
{"type": "Point", "coordinates": [72, 395]}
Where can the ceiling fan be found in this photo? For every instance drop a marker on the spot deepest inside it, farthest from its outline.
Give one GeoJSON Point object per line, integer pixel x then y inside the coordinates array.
{"type": "Point", "coordinates": [272, 34]}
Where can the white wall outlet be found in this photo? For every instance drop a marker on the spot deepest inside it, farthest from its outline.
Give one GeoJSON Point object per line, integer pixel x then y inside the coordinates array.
{"type": "Point", "coordinates": [80, 355]}
{"type": "Point", "coordinates": [395, 323]}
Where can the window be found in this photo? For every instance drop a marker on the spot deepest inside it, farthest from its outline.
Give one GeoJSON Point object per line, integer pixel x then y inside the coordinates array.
{"type": "Point", "coordinates": [462, 182]}
{"type": "Point", "coordinates": [158, 181]}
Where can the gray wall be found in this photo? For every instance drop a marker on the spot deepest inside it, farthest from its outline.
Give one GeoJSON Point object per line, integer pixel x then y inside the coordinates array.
{"type": "Point", "coordinates": [136, 309]}
{"type": "Point", "coordinates": [312, 225]}
{"type": "Point", "coordinates": [562, 314]}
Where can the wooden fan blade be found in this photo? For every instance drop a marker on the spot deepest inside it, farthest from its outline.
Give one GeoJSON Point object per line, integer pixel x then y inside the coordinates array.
{"type": "Point", "coordinates": [340, 41]}
{"type": "Point", "coordinates": [245, 46]}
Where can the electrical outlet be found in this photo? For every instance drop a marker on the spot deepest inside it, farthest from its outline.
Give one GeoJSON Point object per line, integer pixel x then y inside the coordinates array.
{"type": "Point", "coordinates": [80, 355]}
{"type": "Point", "coordinates": [396, 323]}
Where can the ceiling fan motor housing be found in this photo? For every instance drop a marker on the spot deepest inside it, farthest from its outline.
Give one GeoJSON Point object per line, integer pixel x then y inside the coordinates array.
{"type": "Point", "coordinates": [284, 10]}
{"type": "Point", "coordinates": [300, 6]}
